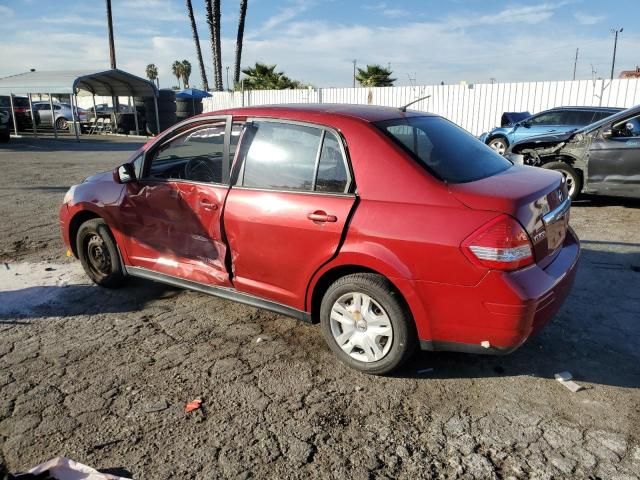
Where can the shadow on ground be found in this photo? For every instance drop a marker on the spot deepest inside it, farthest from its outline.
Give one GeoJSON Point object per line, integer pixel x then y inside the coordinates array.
{"type": "Point", "coordinates": [25, 305]}
{"type": "Point", "coordinates": [595, 336]}
{"type": "Point", "coordinates": [86, 144]}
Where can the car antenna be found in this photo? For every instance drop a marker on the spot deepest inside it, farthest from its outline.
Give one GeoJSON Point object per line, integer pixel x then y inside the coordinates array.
{"type": "Point", "coordinates": [404, 108]}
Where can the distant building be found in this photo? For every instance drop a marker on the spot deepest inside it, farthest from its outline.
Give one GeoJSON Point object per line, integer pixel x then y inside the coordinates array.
{"type": "Point", "coordinates": [631, 73]}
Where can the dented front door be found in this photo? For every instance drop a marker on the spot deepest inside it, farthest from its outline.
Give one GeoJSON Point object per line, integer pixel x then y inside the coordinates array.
{"type": "Point", "coordinates": [171, 216]}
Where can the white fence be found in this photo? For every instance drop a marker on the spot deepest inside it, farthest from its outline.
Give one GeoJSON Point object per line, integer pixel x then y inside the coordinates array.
{"type": "Point", "coordinates": [476, 108]}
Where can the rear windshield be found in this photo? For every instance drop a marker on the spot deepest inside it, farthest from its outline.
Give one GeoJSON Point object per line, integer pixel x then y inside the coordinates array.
{"type": "Point", "coordinates": [449, 152]}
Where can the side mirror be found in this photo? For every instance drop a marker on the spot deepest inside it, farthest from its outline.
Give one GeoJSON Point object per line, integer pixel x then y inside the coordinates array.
{"type": "Point", "coordinates": [525, 124]}
{"type": "Point", "coordinates": [125, 173]}
{"type": "Point", "coordinates": [607, 133]}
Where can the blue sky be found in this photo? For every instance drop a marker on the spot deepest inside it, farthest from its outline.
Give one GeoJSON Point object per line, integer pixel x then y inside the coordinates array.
{"type": "Point", "coordinates": [424, 41]}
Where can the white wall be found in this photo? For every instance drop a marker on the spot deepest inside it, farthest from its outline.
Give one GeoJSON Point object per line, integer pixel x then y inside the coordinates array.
{"type": "Point", "coordinates": [475, 107]}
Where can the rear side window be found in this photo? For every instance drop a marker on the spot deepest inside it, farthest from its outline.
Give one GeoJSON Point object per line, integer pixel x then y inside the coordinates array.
{"type": "Point", "coordinates": [332, 171]}
{"type": "Point", "coordinates": [281, 156]}
{"type": "Point", "coordinates": [449, 152]}
{"type": "Point", "coordinates": [548, 118]}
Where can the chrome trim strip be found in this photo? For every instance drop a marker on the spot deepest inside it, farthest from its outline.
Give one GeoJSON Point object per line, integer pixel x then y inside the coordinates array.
{"type": "Point", "coordinates": [557, 213]}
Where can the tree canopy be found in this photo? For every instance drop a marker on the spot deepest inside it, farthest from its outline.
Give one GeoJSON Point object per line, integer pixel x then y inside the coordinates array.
{"type": "Point", "coordinates": [375, 76]}
{"type": "Point", "coordinates": [265, 77]}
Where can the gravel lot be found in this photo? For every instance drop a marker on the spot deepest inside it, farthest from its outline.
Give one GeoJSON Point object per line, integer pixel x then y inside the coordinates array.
{"type": "Point", "coordinates": [103, 377]}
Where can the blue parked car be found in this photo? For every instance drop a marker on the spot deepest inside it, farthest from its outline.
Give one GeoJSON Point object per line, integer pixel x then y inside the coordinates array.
{"type": "Point", "coordinates": [518, 126]}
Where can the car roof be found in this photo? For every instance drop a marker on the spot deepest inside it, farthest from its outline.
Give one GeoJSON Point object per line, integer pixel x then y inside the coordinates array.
{"type": "Point", "coordinates": [593, 109]}
{"type": "Point", "coordinates": [367, 113]}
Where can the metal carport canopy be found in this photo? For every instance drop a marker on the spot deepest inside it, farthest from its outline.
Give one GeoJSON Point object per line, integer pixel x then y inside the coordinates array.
{"type": "Point", "coordinates": [81, 82]}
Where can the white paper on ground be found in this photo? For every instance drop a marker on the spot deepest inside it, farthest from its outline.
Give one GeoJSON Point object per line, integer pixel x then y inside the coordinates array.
{"type": "Point", "coordinates": [64, 469]}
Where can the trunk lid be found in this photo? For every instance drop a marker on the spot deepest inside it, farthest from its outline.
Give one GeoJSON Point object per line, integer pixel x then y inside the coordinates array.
{"type": "Point", "coordinates": [536, 197]}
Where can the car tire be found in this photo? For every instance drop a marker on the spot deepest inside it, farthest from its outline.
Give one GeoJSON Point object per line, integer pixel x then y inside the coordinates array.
{"type": "Point", "coordinates": [62, 123]}
{"type": "Point", "coordinates": [498, 144]}
{"type": "Point", "coordinates": [386, 309]}
{"type": "Point", "coordinates": [98, 254]}
{"type": "Point", "coordinates": [571, 175]}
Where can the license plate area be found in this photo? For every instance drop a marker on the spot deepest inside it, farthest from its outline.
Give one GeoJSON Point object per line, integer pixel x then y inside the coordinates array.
{"type": "Point", "coordinates": [556, 223]}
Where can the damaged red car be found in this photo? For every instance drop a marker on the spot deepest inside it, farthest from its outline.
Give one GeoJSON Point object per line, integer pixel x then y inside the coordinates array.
{"type": "Point", "coordinates": [393, 229]}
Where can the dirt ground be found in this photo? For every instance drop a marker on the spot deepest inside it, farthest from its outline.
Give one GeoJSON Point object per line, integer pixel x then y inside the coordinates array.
{"type": "Point", "coordinates": [103, 377]}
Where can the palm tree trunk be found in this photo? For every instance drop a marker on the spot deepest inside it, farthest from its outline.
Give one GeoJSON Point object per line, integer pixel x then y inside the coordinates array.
{"type": "Point", "coordinates": [196, 39]}
{"type": "Point", "coordinates": [213, 19]}
{"type": "Point", "coordinates": [243, 15]}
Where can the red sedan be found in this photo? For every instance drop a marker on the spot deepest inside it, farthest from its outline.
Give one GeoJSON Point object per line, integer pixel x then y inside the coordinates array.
{"type": "Point", "coordinates": [391, 229]}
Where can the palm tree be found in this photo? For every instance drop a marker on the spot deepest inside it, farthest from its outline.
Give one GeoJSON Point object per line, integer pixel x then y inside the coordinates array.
{"type": "Point", "coordinates": [375, 76]}
{"type": "Point", "coordinates": [152, 72]}
{"type": "Point", "coordinates": [176, 69]}
{"type": "Point", "coordinates": [264, 77]}
{"type": "Point", "coordinates": [241, 18]}
{"type": "Point", "coordinates": [213, 19]}
{"type": "Point", "coordinates": [196, 39]}
{"type": "Point", "coordinates": [186, 73]}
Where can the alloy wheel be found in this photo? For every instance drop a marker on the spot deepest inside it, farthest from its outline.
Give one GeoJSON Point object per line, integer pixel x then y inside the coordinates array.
{"type": "Point", "coordinates": [499, 145]}
{"type": "Point", "coordinates": [361, 327]}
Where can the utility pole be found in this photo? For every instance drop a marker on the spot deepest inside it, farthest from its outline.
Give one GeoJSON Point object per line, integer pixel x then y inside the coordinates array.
{"type": "Point", "coordinates": [575, 64]}
{"type": "Point", "coordinates": [615, 47]}
{"type": "Point", "coordinates": [354, 73]}
{"type": "Point", "coordinates": [228, 78]}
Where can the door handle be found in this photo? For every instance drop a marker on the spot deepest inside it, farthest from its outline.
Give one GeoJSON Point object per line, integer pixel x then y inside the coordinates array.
{"type": "Point", "coordinates": [206, 203]}
{"type": "Point", "coordinates": [320, 216]}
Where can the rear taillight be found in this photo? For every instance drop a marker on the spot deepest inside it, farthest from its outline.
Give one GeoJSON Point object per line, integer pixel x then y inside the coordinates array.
{"type": "Point", "coordinates": [20, 110]}
{"type": "Point", "coordinates": [501, 244]}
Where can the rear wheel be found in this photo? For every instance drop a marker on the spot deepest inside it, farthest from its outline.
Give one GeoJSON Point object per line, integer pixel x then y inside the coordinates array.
{"type": "Point", "coordinates": [366, 324]}
{"type": "Point", "coordinates": [499, 144]}
{"type": "Point", "coordinates": [62, 123]}
{"type": "Point", "coordinates": [98, 253]}
{"type": "Point", "coordinates": [572, 177]}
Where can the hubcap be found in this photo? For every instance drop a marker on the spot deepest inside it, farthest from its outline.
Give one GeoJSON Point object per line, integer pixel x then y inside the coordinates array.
{"type": "Point", "coordinates": [98, 255]}
{"type": "Point", "coordinates": [499, 146]}
{"type": "Point", "coordinates": [361, 327]}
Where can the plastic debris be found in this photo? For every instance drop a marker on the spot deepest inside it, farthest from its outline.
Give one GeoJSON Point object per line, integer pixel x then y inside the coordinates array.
{"type": "Point", "coordinates": [425, 370]}
{"type": "Point", "coordinates": [62, 468]}
{"type": "Point", "coordinates": [156, 406]}
{"type": "Point", "coordinates": [193, 405]}
{"type": "Point", "coordinates": [566, 379]}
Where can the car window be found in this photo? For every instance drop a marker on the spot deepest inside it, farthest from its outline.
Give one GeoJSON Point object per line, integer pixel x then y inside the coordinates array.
{"type": "Point", "coordinates": [195, 155]}
{"type": "Point", "coordinates": [578, 117]}
{"type": "Point", "coordinates": [548, 118]}
{"type": "Point", "coordinates": [43, 106]}
{"type": "Point", "coordinates": [280, 156]}
{"type": "Point", "coordinates": [332, 171]}
{"type": "Point", "coordinates": [627, 128]}
{"type": "Point", "coordinates": [448, 151]}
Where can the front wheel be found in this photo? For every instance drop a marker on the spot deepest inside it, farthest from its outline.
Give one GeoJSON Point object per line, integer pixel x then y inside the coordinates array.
{"type": "Point", "coordinates": [499, 144]}
{"type": "Point", "coordinates": [572, 177]}
{"type": "Point", "coordinates": [98, 254]}
{"type": "Point", "coordinates": [366, 323]}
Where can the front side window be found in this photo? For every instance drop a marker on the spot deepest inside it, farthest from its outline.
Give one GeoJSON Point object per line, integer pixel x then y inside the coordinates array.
{"type": "Point", "coordinates": [449, 152]}
{"type": "Point", "coordinates": [627, 128]}
{"type": "Point", "coordinates": [549, 118]}
{"type": "Point", "coordinates": [280, 156]}
{"type": "Point", "coordinates": [195, 155]}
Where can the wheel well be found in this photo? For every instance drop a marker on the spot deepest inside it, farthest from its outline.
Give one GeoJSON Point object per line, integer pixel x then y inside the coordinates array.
{"type": "Point", "coordinates": [499, 135]}
{"type": "Point", "coordinates": [74, 226]}
{"type": "Point", "coordinates": [334, 274]}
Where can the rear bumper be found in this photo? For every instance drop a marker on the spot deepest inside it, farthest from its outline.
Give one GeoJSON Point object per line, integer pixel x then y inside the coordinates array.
{"type": "Point", "coordinates": [506, 308]}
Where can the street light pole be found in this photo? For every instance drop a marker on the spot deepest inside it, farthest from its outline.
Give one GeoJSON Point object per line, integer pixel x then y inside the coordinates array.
{"type": "Point", "coordinates": [354, 73]}
{"type": "Point", "coordinates": [615, 47]}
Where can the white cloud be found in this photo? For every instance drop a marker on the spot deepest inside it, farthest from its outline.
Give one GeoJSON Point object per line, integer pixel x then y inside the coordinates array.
{"type": "Point", "coordinates": [387, 11]}
{"type": "Point", "coordinates": [587, 19]}
{"type": "Point", "coordinates": [5, 12]}
{"type": "Point", "coordinates": [530, 15]}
